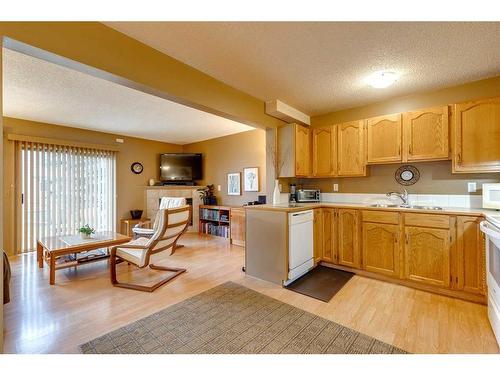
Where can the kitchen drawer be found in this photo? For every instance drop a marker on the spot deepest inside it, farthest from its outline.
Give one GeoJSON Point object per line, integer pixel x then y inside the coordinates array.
{"type": "Point", "coordinates": [427, 220]}
{"type": "Point", "coordinates": [384, 217]}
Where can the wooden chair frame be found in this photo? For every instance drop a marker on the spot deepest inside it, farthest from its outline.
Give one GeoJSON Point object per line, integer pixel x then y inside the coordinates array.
{"type": "Point", "coordinates": [177, 271]}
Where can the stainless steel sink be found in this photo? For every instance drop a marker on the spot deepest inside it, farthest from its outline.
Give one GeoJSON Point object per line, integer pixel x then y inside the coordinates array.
{"type": "Point", "coordinates": [435, 208]}
{"type": "Point", "coordinates": [382, 205]}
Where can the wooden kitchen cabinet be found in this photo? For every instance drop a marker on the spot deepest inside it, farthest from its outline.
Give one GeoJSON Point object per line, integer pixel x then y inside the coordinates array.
{"type": "Point", "coordinates": [294, 148]}
{"type": "Point", "coordinates": [348, 235]}
{"type": "Point", "coordinates": [426, 134]}
{"type": "Point", "coordinates": [318, 234]}
{"type": "Point", "coordinates": [324, 151]}
{"type": "Point", "coordinates": [470, 268]}
{"type": "Point", "coordinates": [427, 256]}
{"type": "Point", "coordinates": [381, 248]}
{"type": "Point", "coordinates": [237, 223]}
{"type": "Point", "coordinates": [329, 236]}
{"type": "Point", "coordinates": [350, 149]}
{"type": "Point", "coordinates": [476, 136]}
{"type": "Point", "coordinates": [302, 150]}
{"type": "Point", "coordinates": [383, 139]}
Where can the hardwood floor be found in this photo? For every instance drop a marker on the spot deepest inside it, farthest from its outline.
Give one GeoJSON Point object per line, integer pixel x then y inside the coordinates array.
{"type": "Point", "coordinates": [83, 304]}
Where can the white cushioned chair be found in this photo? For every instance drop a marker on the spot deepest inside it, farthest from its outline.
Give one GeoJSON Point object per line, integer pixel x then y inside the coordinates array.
{"type": "Point", "coordinates": [165, 202]}
{"type": "Point", "coordinates": [141, 252]}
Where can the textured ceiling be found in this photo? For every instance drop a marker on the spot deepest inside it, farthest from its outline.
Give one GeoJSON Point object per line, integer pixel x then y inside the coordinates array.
{"type": "Point", "coordinates": [38, 90]}
{"type": "Point", "coordinates": [321, 66]}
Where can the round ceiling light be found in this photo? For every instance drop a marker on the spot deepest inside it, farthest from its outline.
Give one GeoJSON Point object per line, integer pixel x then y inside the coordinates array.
{"type": "Point", "coordinates": [382, 79]}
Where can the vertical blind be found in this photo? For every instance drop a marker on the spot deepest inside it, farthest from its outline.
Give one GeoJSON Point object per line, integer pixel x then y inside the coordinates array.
{"type": "Point", "coordinates": [63, 188]}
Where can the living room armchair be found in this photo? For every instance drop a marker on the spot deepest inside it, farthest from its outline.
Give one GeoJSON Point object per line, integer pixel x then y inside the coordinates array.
{"type": "Point", "coordinates": [141, 252]}
{"type": "Point", "coordinates": [165, 202]}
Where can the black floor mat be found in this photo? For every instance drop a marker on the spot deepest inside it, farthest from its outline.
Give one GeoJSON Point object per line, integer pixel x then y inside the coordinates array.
{"type": "Point", "coordinates": [321, 283]}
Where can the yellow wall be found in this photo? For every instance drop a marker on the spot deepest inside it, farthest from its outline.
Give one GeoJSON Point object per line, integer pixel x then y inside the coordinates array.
{"type": "Point", "coordinates": [231, 154]}
{"type": "Point", "coordinates": [473, 90]}
{"type": "Point", "coordinates": [130, 187]}
{"type": "Point", "coordinates": [436, 177]}
{"type": "Point", "coordinates": [220, 156]}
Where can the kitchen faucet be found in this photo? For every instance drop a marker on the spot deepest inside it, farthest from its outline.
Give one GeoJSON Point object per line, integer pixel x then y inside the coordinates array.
{"type": "Point", "coordinates": [403, 196]}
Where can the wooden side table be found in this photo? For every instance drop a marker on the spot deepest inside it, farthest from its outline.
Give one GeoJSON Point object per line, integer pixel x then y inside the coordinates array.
{"type": "Point", "coordinates": [128, 224]}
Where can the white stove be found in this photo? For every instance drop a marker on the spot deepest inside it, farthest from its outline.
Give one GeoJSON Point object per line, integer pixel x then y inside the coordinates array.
{"type": "Point", "coordinates": [491, 228]}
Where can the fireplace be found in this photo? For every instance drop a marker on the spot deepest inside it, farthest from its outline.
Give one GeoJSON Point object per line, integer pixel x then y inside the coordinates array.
{"type": "Point", "coordinates": [155, 193]}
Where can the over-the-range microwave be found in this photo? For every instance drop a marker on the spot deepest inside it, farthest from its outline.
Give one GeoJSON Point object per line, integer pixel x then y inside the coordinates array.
{"type": "Point", "coordinates": [491, 196]}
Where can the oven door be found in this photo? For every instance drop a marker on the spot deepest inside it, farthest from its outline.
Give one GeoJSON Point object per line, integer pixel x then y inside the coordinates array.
{"type": "Point", "coordinates": [492, 260]}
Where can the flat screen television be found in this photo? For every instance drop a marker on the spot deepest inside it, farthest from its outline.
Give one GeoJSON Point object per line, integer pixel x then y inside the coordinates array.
{"type": "Point", "coordinates": [180, 167]}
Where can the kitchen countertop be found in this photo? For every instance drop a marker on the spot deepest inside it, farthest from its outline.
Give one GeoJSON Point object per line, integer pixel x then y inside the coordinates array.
{"type": "Point", "coordinates": [287, 207]}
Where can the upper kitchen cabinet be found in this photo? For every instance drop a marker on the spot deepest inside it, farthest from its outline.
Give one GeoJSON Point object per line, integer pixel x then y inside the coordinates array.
{"type": "Point", "coordinates": [324, 151]}
{"type": "Point", "coordinates": [294, 145]}
{"type": "Point", "coordinates": [425, 134]}
{"type": "Point", "coordinates": [350, 149]}
{"type": "Point", "coordinates": [383, 139]}
{"type": "Point", "coordinates": [476, 136]}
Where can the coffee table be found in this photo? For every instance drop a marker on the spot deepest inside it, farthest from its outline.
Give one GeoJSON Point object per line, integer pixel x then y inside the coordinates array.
{"type": "Point", "coordinates": [50, 248]}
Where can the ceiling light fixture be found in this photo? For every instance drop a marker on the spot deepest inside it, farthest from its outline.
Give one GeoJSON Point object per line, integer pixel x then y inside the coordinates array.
{"type": "Point", "coordinates": [382, 79]}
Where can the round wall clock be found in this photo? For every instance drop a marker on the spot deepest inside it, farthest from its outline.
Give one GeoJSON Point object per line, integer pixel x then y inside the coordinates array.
{"type": "Point", "coordinates": [137, 168]}
{"type": "Point", "coordinates": [407, 175]}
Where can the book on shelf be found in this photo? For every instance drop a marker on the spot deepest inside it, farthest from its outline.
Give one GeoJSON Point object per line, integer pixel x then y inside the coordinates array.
{"type": "Point", "coordinates": [215, 230]}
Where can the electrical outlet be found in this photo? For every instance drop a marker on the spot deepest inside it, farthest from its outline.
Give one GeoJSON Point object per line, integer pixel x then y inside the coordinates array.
{"type": "Point", "coordinates": [335, 187]}
{"type": "Point", "coordinates": [119, 140]}
{"type": "Point", "coordinates": [218, 187]}
{"type": "Point", "coordinates": [471, 187]}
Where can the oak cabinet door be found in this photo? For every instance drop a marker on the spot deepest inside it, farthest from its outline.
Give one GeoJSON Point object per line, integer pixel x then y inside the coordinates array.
{"type": "Point", "coordinates": [302, 151]}
{"type": "Point", "coordinates": [329, 242]}
{"type": "Point", "coordinates": [350, 149]}
{"type": "Point", "coordinates": [348, 249]}
{"type": "Point", "coordinates": [381, 250]}
{"type": "Point", "coordinates": [318, 234]}
{"type": "Point", "coordinates": [427, 256]}
{"type": "Point", "coordinates": [237, 226]}
{"type": "Point", "coordinates": [324, 151]}
{"type": "Point", "coordinates": [426, 134]}
{"type": "Point", "coordinates": [383, 139]}
{"type": "Point", "coordinates": [470, 268]}
{"type": "Point", "coordinates": [476, 129]}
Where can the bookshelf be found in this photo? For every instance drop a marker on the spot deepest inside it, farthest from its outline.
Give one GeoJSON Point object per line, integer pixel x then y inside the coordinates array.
{"type": "Point", "coordinates": [215, 220]}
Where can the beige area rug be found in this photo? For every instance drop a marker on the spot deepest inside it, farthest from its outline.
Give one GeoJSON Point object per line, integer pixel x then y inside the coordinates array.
{"type": "Point", "coordinates": [233, 319]}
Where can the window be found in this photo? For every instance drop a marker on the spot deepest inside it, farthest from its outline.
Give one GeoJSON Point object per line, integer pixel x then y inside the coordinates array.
{"type": "Point", "coordinates": [63, 188]}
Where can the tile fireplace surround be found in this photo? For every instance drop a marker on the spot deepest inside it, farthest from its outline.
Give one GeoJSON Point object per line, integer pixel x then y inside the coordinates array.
{"type": "Point", "coordinates": [154, 193]}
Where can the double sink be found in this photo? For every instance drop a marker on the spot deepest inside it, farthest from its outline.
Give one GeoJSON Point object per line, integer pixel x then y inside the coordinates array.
{"type": "Point", "coordinates": [432, 208]}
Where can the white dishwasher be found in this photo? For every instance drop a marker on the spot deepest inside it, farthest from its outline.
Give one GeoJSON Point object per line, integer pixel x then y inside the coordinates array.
{"type": "Point", "coordinates": [300, 244]}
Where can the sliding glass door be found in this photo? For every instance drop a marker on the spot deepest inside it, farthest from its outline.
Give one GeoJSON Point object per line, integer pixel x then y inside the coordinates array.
{"type": "Point", "coordinates": [61, 189]}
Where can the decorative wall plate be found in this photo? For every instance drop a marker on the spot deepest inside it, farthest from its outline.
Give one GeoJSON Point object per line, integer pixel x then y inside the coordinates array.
{"type": "Point", "coordinates": [407, 175]}
{"type": "Point", "coordinates": [137, 167]}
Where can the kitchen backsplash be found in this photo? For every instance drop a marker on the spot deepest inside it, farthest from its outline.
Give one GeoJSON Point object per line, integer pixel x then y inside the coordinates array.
{"type": "Point", "coordinates": [442, 200]}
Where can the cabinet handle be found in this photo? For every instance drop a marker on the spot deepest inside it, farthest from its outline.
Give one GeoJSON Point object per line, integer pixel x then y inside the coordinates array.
{"type": "Point", "coordinates": [395, 238]}
{"type": "Point", "coordinates": [410, 151]}
{"type": "Point", "coordinates": [399, 150]}
{"type": "Point", "coordinates": [406, 236]}
{"type": "Point", "coordinates": [459, 157]}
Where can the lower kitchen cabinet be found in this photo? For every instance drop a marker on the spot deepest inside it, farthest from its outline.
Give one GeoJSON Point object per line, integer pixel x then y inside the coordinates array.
{"type": "Point", "coordinates": [348, 232]}
{"type": "Point", "coordinates": [329, 234]}
{"type": "Point", "coordinates": [381, 249]}
{"type": "Point", "coordinates": [427, 256]}
{"type": "Point", "coordinates": [318, 234]}
{"type": "Point", "coordinates": [470, 268]}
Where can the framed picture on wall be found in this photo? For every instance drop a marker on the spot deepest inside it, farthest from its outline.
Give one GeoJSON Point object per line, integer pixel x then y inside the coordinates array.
{"type": "Point", "coordinates": [234, 183]}
{"type": "Point", "coordinates": [251, 179]}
